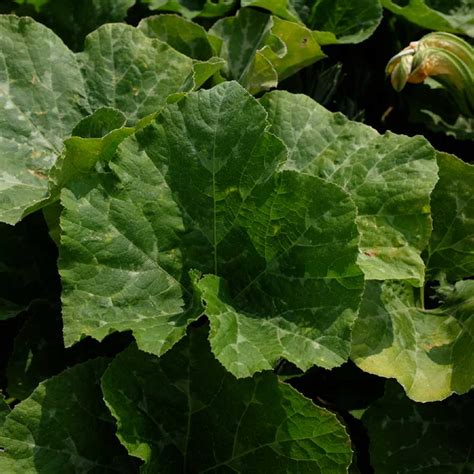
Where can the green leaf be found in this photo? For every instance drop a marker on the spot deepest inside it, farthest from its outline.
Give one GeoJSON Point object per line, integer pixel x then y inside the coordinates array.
{"type": "Point", "coordinates": [389, 177]}
{"type": "Point", "coordinates": [346, 20]}
{"type": "Point", "coordinates": [183, 35]}
{"type": "Point", "coordinates": [432, 438]}
{"type": "Point", "coordinates": [192, 8]}
{"type": "Point", "coordinates": [63, 426]}
{"type": "Point", "coordinates": [184, 412]}
{"type": "Point", "coordinates": [451, 249]}
{"type": "Point", "coordinates": [42, 97]}
{"type": "Point", "coordinates": [119, 252]}
{"type": "Point", "coordinates": [454, 16]}
{"type": "Point", "coordinates": [260, 49]}
{"type": "Point", "coordinates": [427, 351]}
{"type": "Point", "coordinates": [335, 21]}
{"type": "Point", "coordinates": [199, 189]}
{"type": "Point", "coordinates": [283, 8]}
{"type": "Point", "coordinates": [4, 411]}
{"type": "Point", "coordinates": [123, 69]}
{"type": "Point", "coordinates": [73, 21]}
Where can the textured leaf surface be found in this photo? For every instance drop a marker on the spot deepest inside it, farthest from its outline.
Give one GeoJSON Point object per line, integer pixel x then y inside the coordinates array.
{"type": "Point", "coordinates": [451, 249]}
{"type": "Point", "coordinates": [125, 69]}
{"type": "Point", "coordinates": [260, 49]}
{"type": "Point", "coordinates": [193, 8]}
{"type": "Point", "coordinates": [184, 412]}
{"type": "Point", "coordinates": [199, 189]}
{"type": "Point", "coordinates": [428, 351]}
{"type": "Point", "coordinates": [183, 35]}
{"type": "Point", "coordinates": [42, 97]}
{"type": "Point", "coordinates": [389, 177]}
{"type": "Point", "coordinates": [455, 16]}
{"type": "Point", "coordinates": [63, 426]}
{"type": "Point", "coordinates": [431, 438]}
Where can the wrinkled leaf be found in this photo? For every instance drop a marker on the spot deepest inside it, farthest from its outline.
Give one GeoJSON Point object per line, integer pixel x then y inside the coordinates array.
{"type": "Point", "coordinates": [431, 438]}
{"type": "Point", "coordinates": [42, 97]}
{"type": "Point", "coordinates": [451, 249]}
{"type": "Point", "coordinates": [199, 189]}
{"type": "Point", "coordinates": [63, 426]}
{"type": "Point", "coordinates": [184, 412]}
{"type": "Point", "coordinates": [389, 177]}
{"type": "Point", "coordinates": [427, 351]}
{"type": "Point", "coordinates": [123, 69]}
{"type": "Point", "coordinates": [455, 16]}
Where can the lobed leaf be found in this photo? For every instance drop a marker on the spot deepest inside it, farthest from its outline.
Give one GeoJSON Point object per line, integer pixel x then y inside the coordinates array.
{"type": "Point", "coordinates": [389, 177]}
{"type": "Point", "coordinates": [184, 412]}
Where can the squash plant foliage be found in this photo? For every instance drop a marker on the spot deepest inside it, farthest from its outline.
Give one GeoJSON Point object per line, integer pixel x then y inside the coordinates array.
{"type": "Point", "coordinates": [205, 266]}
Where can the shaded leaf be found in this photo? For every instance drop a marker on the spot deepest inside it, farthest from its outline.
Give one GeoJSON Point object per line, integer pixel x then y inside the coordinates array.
{"type": "Point", "coordinates": [63, 426]}
{"type": "Point", "coordinates": [193, 8]}
{"type": "Point", "coordinates": [455, 16]}
{"type": "Point", "coordinates": [451, 249]}
{"type": "Point", "coordinates": [260, 49]}
{"type": "Point", "coordinates": [185, 412]}
{"type": "Point", "coordinates": [389, 177]}
{"type": "Point", "coordinates": [431, 438]}
{"type": "Point", "coordinates": [37, 352]}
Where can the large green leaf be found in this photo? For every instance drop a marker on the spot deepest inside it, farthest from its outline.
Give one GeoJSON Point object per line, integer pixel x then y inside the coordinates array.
{"type": "Point", "coordinates": [260, 49]}
{"type": "Point", "coordinates": [42, 97]}
{"type": "Point", "coordinates": [432, 438]}
{"type": "Point", "coordinates": [199, 189]}
{"type": "Point", "coordinates": [126, 70]}
{"type": "Point", "coordinates": [44, 93]}
{"type": "Point", "coordinates": [193, 8]}
{"type": "Point", "coordinates": [63, 426]}
{"type": "Point", "coordinates": [184, 412]}
{"type": "Point", "coordinates": [451, 249]}
{"type": "Point", "coordinates": [455, 16]}
{"type": "Point", "coordinates": [389, 177]}
{"type": "Point", "coordinates": [428, 351]}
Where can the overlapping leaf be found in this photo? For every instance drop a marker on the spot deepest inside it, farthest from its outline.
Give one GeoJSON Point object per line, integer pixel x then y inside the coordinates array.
{"type": "Point", "coordinates": [455, 16]}
{"type": "Point", "coordinates": [44, 92]}
{"type": "Point", "coordinates": [334, 21]}
{"type": "Point", "coordinates": [185, 412]}
{"type": "Point", "coordinates": [389, 177]}
{"type": "Point", "coordinates": [431, 438]}
{"type": "Point", "coordinates": [199, 189]}
{"type": "Point", "coordinates": [63, 426]}
{"type": "Point", "coordinates": [428, 351]}
{"type": "Point", "coordinates": [260, 49]}
{"type": "Point", "coordinates": [193, 8]}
